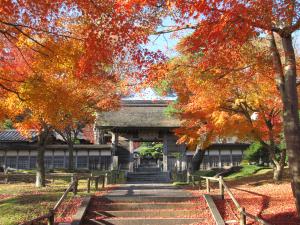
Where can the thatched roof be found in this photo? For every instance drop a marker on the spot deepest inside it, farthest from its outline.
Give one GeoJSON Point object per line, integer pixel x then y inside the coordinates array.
{"type": "Point", "coordinates": [138, 114]}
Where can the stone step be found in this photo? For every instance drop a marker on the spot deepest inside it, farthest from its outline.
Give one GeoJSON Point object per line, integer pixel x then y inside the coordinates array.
{"type": "Point", "coordinates": [148, 180]}
{"type": "Point", "coordinates": [148, 169]}
{"type": "Point", "coordinates": [152, 221]}
{"type": "Point", "coordinates": [145, 177]}
{"type": "Point", "coordinates": [147, 173]}
{"type": "Point", "coordinates": [148, 199]}
{"type": "Point", "coordinates": [151, 213]}
{"type": "Point", "coordinates": [155, 177]}
{"type": "Point", "coordinates": [147, 206]}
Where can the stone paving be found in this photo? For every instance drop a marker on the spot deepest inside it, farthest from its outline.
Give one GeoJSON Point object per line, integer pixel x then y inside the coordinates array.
{"type": "Point", "coordinates": [147, 204]}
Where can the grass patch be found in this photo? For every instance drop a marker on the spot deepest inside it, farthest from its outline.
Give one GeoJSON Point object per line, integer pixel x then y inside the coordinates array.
{"type": "Point", "coordinates": [248, 170]}
{"type": "Point", "coordinates": [23, 201]}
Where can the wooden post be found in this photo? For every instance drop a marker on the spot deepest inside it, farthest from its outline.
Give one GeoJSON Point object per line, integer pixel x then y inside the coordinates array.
{"type": "Point", "coordinates": [242, 217]}
{"type": "Point", "coordinates": [103, 181]}
{"type": "Point", "coordinates": [89, 185]}
{"type": "Point", "coordinates": [106, 179]}
{"type": "Point", "coordinates": [193, 180]}
{"type": "Point", "coordinates": [51, 217]}
{"type": "Point", "coordinates": [221, 187]}
{"type": "Point", "coordinates": [75, 188]}
{"type": "Point", "coordinates": [96, 183]}
{"type": "Point", "coordinates": [200, 183]}
{"type": "Point", "coordinates": [6, 178]}
{"type": "Point", "coordinates": [207, 185]}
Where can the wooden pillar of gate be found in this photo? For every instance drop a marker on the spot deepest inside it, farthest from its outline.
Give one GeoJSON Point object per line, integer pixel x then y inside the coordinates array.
{"type": "Point", "coordinates": [131, 148]}
{"type": "Point", "coordinates": [165, 153]}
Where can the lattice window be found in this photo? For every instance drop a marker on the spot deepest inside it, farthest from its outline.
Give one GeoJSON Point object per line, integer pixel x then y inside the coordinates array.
{"type": "Point", "coordinates": [1, 160]}
{"type": "Point", "coordinates": [48, 162]}
{"type": "Point", "coordinates": [11, 161]}
{"type": "Point", "coordinates": [105, 162]}
{"type": "Point", "coordinates": [82, 162]}
{"type": "Point", "coordinates": [32, 164]}
{"type": "Point", "coordinates": [236, 160]}
{"type": "Point", "coordinates": [226, 160]}
{"type": "Point", "coordinates": [214, 161]}
{"type": "Point", "coordinates": [67, 161]}
{"type": "Point", "coordinates": [58, 162]}
{"type": "Point", "coordinates": [94, 162]}
{"type": "Point", "coordinates": [23, 162]}
{"type": "Point", "coordinates": [205, 163]}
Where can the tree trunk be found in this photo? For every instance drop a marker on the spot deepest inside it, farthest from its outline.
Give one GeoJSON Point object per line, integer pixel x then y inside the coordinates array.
{"type": "Point", "coordinates": [279, 167]}
{"type": "Point", "coordinates": [40, 167]}
{"type": "Point", "coordinates": [71, 154]}
{"type": "Point", "coordinates": [197, 158]}
{"type": "Point", "coordinates": [40, 172]}
{"type": "Point", "coordinates": [286, 82]}
{"type": "Point", "coordinates": [278, 164]}
{"type": "Point", "coordinates": [291, 116]}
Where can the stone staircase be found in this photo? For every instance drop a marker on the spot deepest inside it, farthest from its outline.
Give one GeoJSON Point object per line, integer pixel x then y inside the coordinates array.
{"type": "Point", "coordinates": [149, 177]}
{"type": "Point", "coordinates": [144, 205]}
{"type": "Point", "coordinates": [148, 174]}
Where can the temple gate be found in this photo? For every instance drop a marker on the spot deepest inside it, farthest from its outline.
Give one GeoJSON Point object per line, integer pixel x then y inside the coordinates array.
{"type": "Point", "coordinates": [141, 121]}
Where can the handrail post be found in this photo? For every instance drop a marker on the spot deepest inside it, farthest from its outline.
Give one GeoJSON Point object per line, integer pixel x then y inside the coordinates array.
{"type": "Point", "coordinates": [193, 180]}
{"type": "Point", "coordinates": [96, 183]}
{"type": "Point", "coordinates": [75, 188]}
{"type": "Point", "coordinates": [200, 183]}
{"type": "Point", "coordinates": [103, 182]}
{"type": "Point", "coordinates": [207, 185]}
{"type": "Point", "coordinates": [221, 187]}
{"type": "Point", "coordinates": [242, 216]}
{"type": "Point", "coordinates": [106, 179]}
{"type": "Point", "coordinates": [6, 178]}
{"type": "Point", "coordinates": [51, 217]}
{"type": "Point", "coordinates": [188, 177]}
{"type": "Point", "coordinates": [89, 185]}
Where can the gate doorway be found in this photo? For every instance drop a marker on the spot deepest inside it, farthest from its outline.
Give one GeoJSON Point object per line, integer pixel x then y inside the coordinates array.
{"type": "Point", "coordinates": [148, 156]}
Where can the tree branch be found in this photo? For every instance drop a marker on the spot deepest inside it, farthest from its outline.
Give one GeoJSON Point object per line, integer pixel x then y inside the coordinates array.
{"type": "Point", "coordinates": [42, 30]}
{"type": "Point", "coordinates": [175, 29]}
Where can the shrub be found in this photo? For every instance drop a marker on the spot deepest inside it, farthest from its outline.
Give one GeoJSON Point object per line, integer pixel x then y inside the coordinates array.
{"type": "Point", "coordinates": [256, 152]}
{"type": "Point", "coordinates": [151, 150]}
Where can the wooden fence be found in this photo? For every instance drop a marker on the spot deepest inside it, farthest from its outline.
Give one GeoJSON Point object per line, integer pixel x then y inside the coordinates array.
{"type": "Point", "coordinates": [51, 215]}
{"type": "Point", "coordinates": [73, 187]}
{"type": "Point", "coordinates": [103, 180]}
{"type": "Point", "coordinates": [222, 188]}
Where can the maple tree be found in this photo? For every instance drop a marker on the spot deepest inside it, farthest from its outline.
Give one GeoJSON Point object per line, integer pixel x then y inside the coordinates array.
{"type": "Point", "coordinates": [219, 27]}
{"type": "Point", "coordinates": [213, 106]}
{"type": "Point", "coordinates": [110, 32]}
{"type": "Point", "coordinates": [107, 38]}
{"type": "Point", "coordinates": [54, 98]}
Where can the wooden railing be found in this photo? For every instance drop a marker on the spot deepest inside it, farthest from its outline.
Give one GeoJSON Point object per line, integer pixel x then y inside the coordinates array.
{"type": "Point", "coordinates": [8, 177]}
{"type": "Point", "coordinates": [103, 179]}
{"type": "Point", "coordinates": [222, 188]}
{"type": "Point", "coordinates": [51, 215]}
{"type": "Point", "coordinates": [73, 187]}
{"type": "Point", "coordinates": [25, 177]}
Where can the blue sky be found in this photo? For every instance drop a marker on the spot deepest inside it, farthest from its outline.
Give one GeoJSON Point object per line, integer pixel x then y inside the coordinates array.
{"type": "Point", "coordinates": [167, 42]}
